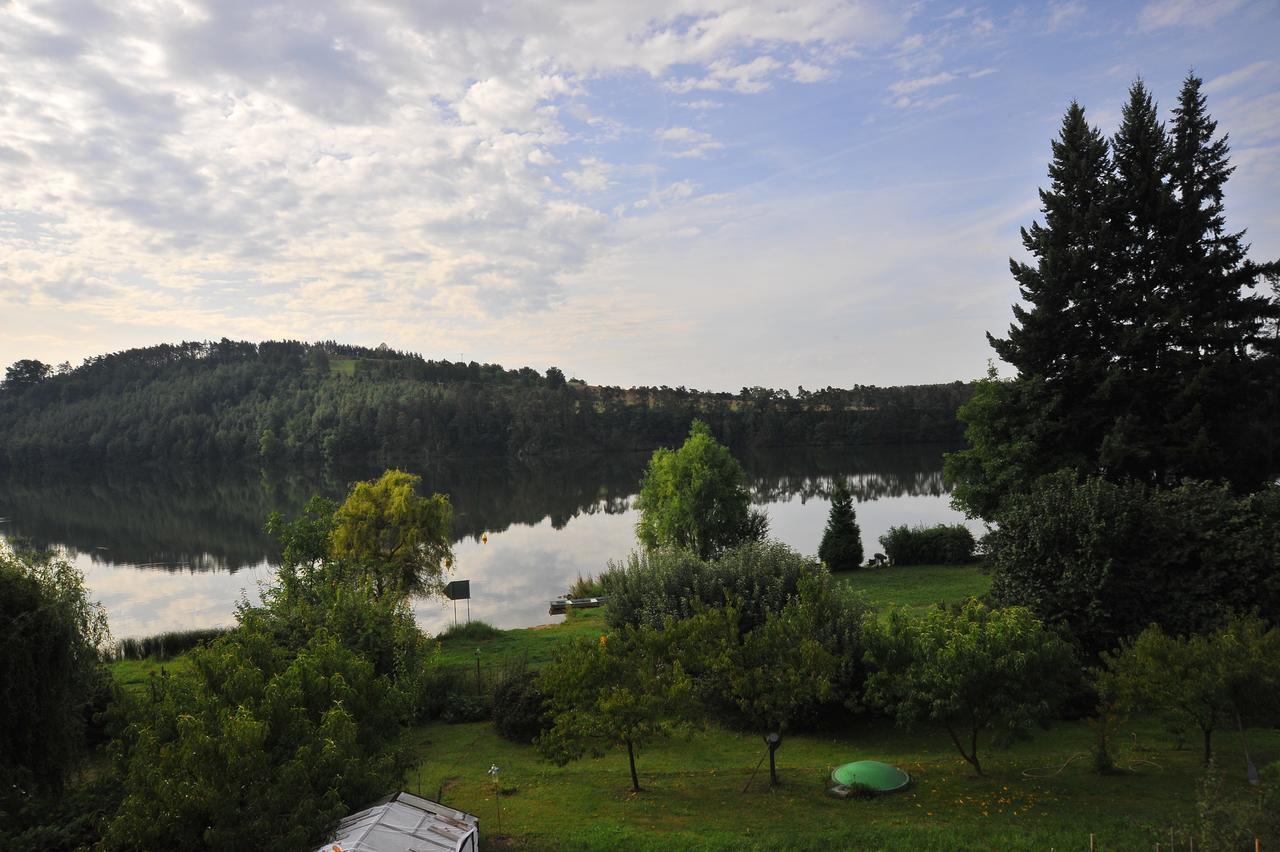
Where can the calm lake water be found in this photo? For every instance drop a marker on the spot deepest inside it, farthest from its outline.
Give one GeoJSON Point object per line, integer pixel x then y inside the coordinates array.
{"type": "Point", "coordinates": [165, 551]}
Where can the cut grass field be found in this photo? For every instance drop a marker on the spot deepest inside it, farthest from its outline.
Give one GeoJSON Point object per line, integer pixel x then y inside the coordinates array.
{"type": "Point", "coordinates": [694, 797]}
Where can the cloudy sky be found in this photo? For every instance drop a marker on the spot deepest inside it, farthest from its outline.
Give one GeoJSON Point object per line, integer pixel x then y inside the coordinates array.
{"type": "Point", "coordinates": [691, 192]}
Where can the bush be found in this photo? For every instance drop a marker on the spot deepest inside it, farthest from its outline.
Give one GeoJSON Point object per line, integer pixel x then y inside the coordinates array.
{"type": "Point", "coordinates": [674, 583]}
{"type": "Point", "coordinates": [518, 713]}
{"type": "Point", "coordinates": [1107, 559]}
{"type": "Point", "coordinates": [262, 743]}
{"type": "Point", "coordinates": [51, 669]}
{"type": "Point", "coordinates": [938, 545]}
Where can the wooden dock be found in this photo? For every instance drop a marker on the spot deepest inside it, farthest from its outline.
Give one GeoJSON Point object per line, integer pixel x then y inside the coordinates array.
{"type": "Point", "coordinates": [559, 606]}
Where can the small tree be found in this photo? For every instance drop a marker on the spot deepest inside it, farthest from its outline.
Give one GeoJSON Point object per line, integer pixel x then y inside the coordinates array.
{"type": "Point", "coordinates": [973, 670]}
{"type": "Point", "coordinates": [617, 691]}
{"type": "Point", "coordinates": [1201, 681]}
{"type": "Point", "coordinates": [399, 540]}
{"type": "Point", "coordinates": [696, 498]}
{"type": "Point", "coordinates": [841, 548]}
{"type": "Point", "coordinates": [50, 668]}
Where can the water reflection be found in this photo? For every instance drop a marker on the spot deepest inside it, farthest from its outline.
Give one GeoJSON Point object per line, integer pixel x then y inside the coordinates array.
{"type": "Point", "coordinates": [167, 550]}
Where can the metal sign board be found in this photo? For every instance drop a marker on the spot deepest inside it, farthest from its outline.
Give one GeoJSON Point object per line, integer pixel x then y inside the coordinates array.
{"type": "Point", "coordinates": [458, 590]}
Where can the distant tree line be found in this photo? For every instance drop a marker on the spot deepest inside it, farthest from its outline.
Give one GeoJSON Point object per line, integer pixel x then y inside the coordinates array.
{"type": "Point", "coordinates": [286, 401]}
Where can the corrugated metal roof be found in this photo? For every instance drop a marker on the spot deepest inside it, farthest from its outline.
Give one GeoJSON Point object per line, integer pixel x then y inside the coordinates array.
{"type": "Point", "coordinates": [405, 823]}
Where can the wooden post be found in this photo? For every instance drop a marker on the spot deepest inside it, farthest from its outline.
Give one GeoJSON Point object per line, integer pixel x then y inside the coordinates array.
{"type": "Point", "coordinates": [1090, 843]}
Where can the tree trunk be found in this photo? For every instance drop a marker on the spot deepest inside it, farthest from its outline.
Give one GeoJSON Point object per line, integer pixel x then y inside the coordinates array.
{"type": "Point", "coordinates": [972, 754]}
{"type": "Point", "coordinates": [631, 756]}
{"type": "Point", "coordinates": [773, 767]}
{"type": "Point", "coordinates": [1208, 749]}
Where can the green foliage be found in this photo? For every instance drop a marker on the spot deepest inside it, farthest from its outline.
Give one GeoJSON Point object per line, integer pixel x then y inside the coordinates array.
{"type": "Point", "coordinates": [51, 641]}
{"type": "Point", "coordinates": [652, 587]}
{"type": "Point", "coordinates": [587, 587]}
{"type": "Point", "coordinates": [696, 498]}
{"type": "Point", "coordinates": [841, 547]}
{"type": "Point", "coordinates": [943, 544]}
{"type": "Point", "coordinates": [265, 746]}
{"type": "Point", "coordinates": [518, 712]}
{"type": "Point", "coordinates": [999, 456]}
{"type": "Point", "coordinates": [617, 691]}
{"type": "Point", "coordinates": [1233, 816]}
{"type": "Point", "coordinates": [1105, 560]}
{"type": "Point", "coordinates": [972, 670]}
{"type": "Point", "coordinates": [398, 541]}
{"type": "Point", "coordinates": [1202, 681]}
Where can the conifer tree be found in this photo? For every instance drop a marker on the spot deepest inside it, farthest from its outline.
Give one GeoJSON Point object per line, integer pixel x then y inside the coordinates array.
{"type": "Point", "coordinates": [841, 548]}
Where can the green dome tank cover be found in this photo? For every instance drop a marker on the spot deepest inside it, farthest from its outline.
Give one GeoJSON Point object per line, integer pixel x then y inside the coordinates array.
{"type": "Point", "coordinates": [872, 775]}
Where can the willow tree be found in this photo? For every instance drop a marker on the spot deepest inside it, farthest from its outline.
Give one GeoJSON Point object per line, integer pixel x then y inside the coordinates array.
{"type": "Point", "coordinates": [398, 540]}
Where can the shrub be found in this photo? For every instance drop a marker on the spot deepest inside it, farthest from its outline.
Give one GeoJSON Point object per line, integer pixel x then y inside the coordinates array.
{"type": "Point", "coordinates": [841, 547]}
{"type": "Point", "coordinates": [261, 744]}
{"type": "Point", "coordinates": [674, 583]}
{"type": "Point", "coordinates": [1107, 559]}
{"type": "Point", "coordinates": [937, 545]}
{"type": "Point", "coordinates": [50, 665]}
{"type": "Point", "coordinates": [518, 713]}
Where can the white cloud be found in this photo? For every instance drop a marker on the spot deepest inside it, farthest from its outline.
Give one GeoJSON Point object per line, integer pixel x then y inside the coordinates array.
{"type": "Point", "coordinates": [688, 142]}
{"type": "Point", "coordinates": [591, 176]}
{"type": "Point", "coordinates": [1232, 79]}
{"type": "Point", "coordinates": [1184, 13]}
{"type": "Point", "coordinates": [1063, 13]}
{"type": "Point", "coordinates": [805, 72]}
{"type": "Point", "coordinates": [907, 87]}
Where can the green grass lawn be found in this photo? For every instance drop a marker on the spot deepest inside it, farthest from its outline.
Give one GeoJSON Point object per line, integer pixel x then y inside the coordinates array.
{"type": "Point", "coordinates": [133, 675]}
{"type": "Point", "coordinates": [917, 587]}
{"type": "Point", "coordinates": [343, 366]}
{"type": "Point", "coordinates": [532, 645]}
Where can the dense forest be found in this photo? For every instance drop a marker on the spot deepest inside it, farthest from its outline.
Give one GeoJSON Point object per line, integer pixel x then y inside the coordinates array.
{"type": "Point", "coordinates": [231, 402]}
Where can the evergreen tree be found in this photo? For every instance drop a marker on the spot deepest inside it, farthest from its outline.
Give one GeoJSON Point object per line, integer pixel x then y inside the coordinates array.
{"type": "Point", "coordinates": [1136, 388]}
{"type": "Point", "coordinates": [1060, 342]}
{"type": "Point", "coordinates": [1214, 323]}
{"type": "Point", "coordinates": [841, 548]}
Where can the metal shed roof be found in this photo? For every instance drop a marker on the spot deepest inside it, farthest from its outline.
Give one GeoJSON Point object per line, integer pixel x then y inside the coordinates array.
{"type": "Point", "coordinates": [406, 823]}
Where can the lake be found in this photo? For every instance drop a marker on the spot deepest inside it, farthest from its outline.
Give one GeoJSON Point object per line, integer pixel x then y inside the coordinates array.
{"type": "Point", "coordinates": [177, 550]}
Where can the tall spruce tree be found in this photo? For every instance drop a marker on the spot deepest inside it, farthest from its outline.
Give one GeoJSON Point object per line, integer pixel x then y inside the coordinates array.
{"type": "Point", "coordinates": [1215, 322]}
{"type": "Point", "coordinates": [1136, 388]}
{"type": "Point", "coordinates": [1061, 338]}
{"type": "Point", "coordinates": [841, 547]}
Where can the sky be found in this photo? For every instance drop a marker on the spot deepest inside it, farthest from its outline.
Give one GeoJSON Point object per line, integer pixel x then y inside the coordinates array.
{"type": "Point", "coordinates": [679, 192]}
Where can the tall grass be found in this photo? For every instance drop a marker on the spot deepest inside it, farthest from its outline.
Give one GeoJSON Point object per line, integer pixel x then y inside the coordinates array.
{"type": "Point", "coordinates": [164, 646]}
{"type": "Point", "coordinates": [473, 630]}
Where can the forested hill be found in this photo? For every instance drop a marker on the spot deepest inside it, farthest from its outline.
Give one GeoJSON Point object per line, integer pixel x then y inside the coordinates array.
{"type": "Point", "coordinates": [277, 402]}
